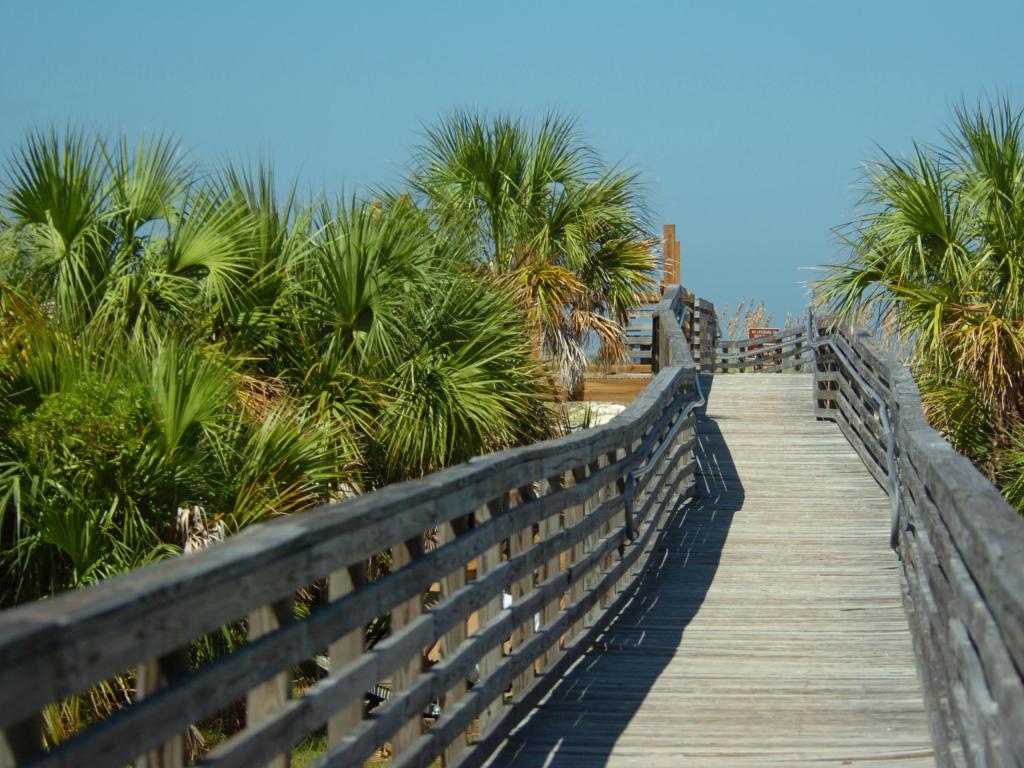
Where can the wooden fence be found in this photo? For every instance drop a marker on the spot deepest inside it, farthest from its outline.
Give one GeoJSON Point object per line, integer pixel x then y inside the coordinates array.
{"type": "Point", "coordinates": [777, 353]}
{"type": "Point", "coordinates": [502, 569]}
{"type": "Point", "coordinates": [699, 322]}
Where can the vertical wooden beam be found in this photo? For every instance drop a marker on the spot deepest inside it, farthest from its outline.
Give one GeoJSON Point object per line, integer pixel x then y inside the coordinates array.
{"type": "Point", "coordinates": [402, 615]}
{"type": "Point", "coordinates": [347, 648]}
{"type": "Point", "coordinates": [487, 562]}
{"type": "Point", "coordinates": [609, 491]}
{"type": "Point", "coordinates": [593, 577]}
{"type": "Point", "coordinates": [676, 264]}
{"type": "Point", "coordinates": [575, 515]}
{"type": "Point", "coordinates": [520, 543]}
{"type": "Point", "coordinates": [452, 639]}
{"type": "Point", "coordinates": [667, 254]}
{"type": "Point", "coordinates": [549, 528]}
{"type": "Point", "coordinates": [267, 697]}
{"type": "Point", "coordinates": [150, 678]}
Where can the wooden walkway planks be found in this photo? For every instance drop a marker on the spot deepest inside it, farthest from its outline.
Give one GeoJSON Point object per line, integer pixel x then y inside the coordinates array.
{"type": "Point", "coordinates": [770, 631]}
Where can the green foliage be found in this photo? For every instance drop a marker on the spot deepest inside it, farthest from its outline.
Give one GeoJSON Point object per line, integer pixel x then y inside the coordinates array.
{"type": "Point", "coordinates": [937, 259]}
{"type": "Point", "coordinates": [463, 385]}
{"type": "Point", "coordinates": [1011, 472]}
{"type": "Point", "coordinates": [536, 208]}
{"type": "Point", "coordinates": [186, 353]}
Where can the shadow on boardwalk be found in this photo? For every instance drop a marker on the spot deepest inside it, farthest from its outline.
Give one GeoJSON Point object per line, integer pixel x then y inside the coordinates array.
{"type": "Point", "coordinates": [584, 716]}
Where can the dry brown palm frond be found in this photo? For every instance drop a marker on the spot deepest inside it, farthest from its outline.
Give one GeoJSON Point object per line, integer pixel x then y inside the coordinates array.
{"type": "Point", "coordinates": [989, 349]}
{"type": "Point", "coordinates": [260, 395]}
{"type": "Point", "coordinates": [195, 531]}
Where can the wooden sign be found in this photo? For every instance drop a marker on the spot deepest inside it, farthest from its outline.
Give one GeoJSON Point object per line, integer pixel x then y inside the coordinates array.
{"type": "Point", "coordinates": [757, 333]}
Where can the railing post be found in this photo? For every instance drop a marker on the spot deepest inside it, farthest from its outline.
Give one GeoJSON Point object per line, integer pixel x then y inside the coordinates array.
{"type": "Point", "coordinates": [402, 615]}
{"type": "Point", "coordinates": [549, 528]}
{"type": "Point", "coordinates": [450, 584]}
{"type": "Point", "coordinates": [520, 543]}
{"type": "Point", "coordinates": [149, 679]}
{"type": "Point", "coordinates": [574, 515]}
{"type": "Point", "coordinates": [655, 345]}
{"type": "Point", "coordinates": [609, 491]}
{"type": "Point", "coordinates": [264, 699]}
{"type": "Point", "coordinates": [590, 542]}
{"type": "Point", "coordinates": [347, 648]}
{"type": "Point", "coordinates": [486, 563]}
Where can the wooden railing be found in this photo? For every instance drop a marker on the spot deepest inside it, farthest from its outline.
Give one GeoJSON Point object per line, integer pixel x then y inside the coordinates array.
{"type": "Point", "coordinates": [960, 545]}
{"type": "Point", "coordinates": [524, 555]}
{"type": "Point", "coordinates": [699, 321]}
{"type": "Point", "coordinates": [703, 333]}
{"type": "Point", "coordinates": [777, 353]}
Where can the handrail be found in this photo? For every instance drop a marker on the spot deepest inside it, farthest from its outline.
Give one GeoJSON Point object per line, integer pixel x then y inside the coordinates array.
{"type": "Point", "coordinates": [546, 523]}
{"type": "Point", "coordinates": [758, 350]}
{"type": "Point", "coordinates": [648, 466]}
{"type": "Point", "coordinates": [815, 340]}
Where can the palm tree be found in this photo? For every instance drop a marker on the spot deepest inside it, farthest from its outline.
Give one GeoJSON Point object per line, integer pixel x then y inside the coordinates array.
{"type": "Point", "coordinates": [547, 221]}
{"type": "Point", "coordinates": [938, 260]}
{"type": "Point", "coordinates": [183, 354]}
{"type": "Point", "coordinates": [403, 343]}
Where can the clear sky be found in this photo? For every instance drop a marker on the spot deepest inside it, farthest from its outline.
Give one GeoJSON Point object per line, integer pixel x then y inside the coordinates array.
{"type": "Point", "coordinates": [748, 120]}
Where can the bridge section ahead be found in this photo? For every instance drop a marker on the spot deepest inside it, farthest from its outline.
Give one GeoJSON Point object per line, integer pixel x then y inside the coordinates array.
{"type": "Point", "coordinates": [769, 628]}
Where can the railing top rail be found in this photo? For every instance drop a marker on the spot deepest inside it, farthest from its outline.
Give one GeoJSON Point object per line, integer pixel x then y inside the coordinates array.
{"type": "Point", "coordinates": [815, 340]}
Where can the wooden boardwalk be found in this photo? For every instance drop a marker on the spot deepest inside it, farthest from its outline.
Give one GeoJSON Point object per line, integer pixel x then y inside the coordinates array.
{"type": "Point", "coordinates": [769, 628]}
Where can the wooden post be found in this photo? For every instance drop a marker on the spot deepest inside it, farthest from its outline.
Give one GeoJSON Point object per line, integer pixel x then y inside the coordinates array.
{"type": "Point", "coordinates": [402, 615]}
{"type": "Point", "coordinates": [452, 639]}
{"type": "Point", "coordinates": [486, 563]}
{"type": "Point", "coordinates": [520, 543]}
{"type": "Point", "coordinates": [549, 528]}
{"type": "Point", "coordinates": [573, 516]}
{"type": "Point", "coordinates": [150, 678]}
{"type": "Point", "coordinates": [262, 700]}
{"type": "Point", "coordinates": [345, 649]}
{"type": "Point", "coordinates": [676, 264]}
{"type": "Point", "coordinates": [593, 577]}
{"type": "Point", "coordinates": [608, 492]}
{"type": "Point", "coordinates": [669, 272]}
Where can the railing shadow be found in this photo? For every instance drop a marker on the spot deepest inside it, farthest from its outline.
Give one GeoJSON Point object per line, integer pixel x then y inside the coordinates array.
{"type": "Point", "coordinates": [584, 716]}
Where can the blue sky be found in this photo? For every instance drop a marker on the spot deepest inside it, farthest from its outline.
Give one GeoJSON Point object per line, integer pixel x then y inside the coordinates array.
{"type": "Point", "coordinates": [747, 120]}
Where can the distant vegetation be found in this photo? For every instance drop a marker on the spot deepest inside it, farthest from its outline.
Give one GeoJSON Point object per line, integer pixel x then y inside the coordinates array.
{"type": "Point", "coordinates": [184, 351]}
{"type": "Point", "coordinates": [938, 262]}
{"type": "Point", "coordinates": [736, 323]}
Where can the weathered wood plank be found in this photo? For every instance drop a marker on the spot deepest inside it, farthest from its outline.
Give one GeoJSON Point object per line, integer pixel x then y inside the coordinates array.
{"type": "Point", "coordinates": [265, 700]}
{"type": "Point", "coordinates": [346, 649]}
{"type": "Point", "coordinates": [150, 679]}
